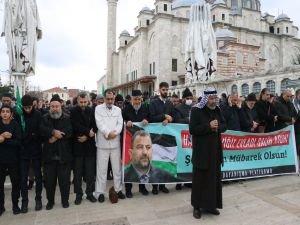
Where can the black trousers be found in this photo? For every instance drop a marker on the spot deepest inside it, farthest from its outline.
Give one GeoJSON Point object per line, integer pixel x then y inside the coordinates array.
{"type": "Point", "coordinates": [84, 166]}
{"type": "Point", "coordinates": [36, 165]}
{"type": "Point", "coordinates": [13, 172]}
{"type": "Point", "coordinates": [54, 171]}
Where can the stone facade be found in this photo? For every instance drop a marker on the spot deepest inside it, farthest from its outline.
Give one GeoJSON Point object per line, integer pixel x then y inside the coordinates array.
{"type": "Point", "coordinates": [252, 47]}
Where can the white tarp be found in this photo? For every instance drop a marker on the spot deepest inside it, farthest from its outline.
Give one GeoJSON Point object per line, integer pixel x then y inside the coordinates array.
{"type": "Point", "coordinates": [21, 29]}
{"type": "Point", "coordinates": [201, 49]}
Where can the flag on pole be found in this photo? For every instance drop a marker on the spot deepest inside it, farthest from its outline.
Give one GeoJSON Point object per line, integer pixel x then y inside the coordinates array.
{"type": "Point", "coordinates": [19, 109]}
{"type": "Point", "coordinates": [103, 89]}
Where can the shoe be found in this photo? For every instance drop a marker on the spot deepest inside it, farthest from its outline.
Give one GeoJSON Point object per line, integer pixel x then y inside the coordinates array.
{"type": "Point", "coordinates": [121, 195]}
{"type": "Point", "coordinates": [30, 184]}
{"type": "Point", "coordinates": [129, 194]}
{"type": "Point", "coordinates": [213, 211]}
{"type": "Point", "coordinates": [49, 206]}
{"type": "Point", "coordinates": [91, 198]}
{"type": "Point", "coordinates": [2, 210]}
{"type": "Point", "coordinates": [38, 205]}
{"type": "Point", "coordinates": [101, 198]}
{"type": "Point", "coordinates": [144, 191]}
{"type": "Point", "coordinates": [164, 189]}
{"type": "Point", "coordinates": [178, 187]}
{"type": "Point", "coordinates": [16, 210]}
{"type": "Point", "coordinates": [154, 191]}
{"type": "Point", "coordinates": [197, 213]}
{"type": "Point", "coordinates": [24, 207]}
{"type": "Point", "coordinates": [65, 204]}
{"type": "Point", "coordinates": [78, 200]}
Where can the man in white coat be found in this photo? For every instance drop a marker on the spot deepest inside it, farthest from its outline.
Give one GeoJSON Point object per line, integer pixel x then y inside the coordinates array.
{"type": "Point", "coordinates": [110, 123]}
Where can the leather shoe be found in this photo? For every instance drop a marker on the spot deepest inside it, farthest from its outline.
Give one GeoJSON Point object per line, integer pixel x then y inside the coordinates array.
{"type": "Point", "coordinates": [197, 213]}
{"type": "Point", "coordinates": [101, 198]}
{"type": "Point", "coordinates": [24, 207]}
{"type": "Point", "coordinates": [121, 195]}
{"type": "Point", "coordinates": [178, 187]}
{"type": "Point", "coordinates": [78, 200]}
{"type": "Point", "coordinates": [65, 204]}
{"type": "Point", "coordinates": [154, 191]}
{"type": "Point", "coordinates": [164, 189]}
{"type": "Point", "coordinates": [144, 191]}
{"type": "Point", "coordinates": [213, 211]}
{"type": "Point", "coordinates": [2, 210]}
{"type": "Point", "coordinates": [49, 206]}
{"type": "Point", "coordinates": [91, 198]}
{"type": "Point", "coordinates": [129, 194]}
{"type": "Point", "coordinates": [16, 210]}
{"type": "Point", "coordinates": [38, 205]}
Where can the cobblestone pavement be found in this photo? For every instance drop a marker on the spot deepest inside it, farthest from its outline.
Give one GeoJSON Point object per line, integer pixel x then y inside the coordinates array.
{"type": "Point", "coordinates": [266, 201]}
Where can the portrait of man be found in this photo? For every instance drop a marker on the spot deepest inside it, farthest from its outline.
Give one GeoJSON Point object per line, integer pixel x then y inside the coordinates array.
{"type": "Point", "coordinates": [141, 169]}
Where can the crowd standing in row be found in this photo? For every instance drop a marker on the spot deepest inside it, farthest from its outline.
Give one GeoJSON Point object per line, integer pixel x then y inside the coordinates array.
{"type": "Point", "coordinates": [86, 138]}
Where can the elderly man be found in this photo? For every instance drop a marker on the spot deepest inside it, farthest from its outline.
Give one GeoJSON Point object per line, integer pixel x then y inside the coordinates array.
{"type": "Point", "coordinates": [84, 147]}
{"type": "Point", "coordinates": [287, 114]}
{"type": "Point", "coordinates": [56, 128]}
{"type": "Point", "coordinates": [109, 121]}
{"type": "Point", "coordinates": [206, 126]}
{"type": "Point", "coordinates": [232, 112]}
{"type": "Point", "coordinates": [248, 114]}
{"type": "Point", "coordinates": [136, 112]}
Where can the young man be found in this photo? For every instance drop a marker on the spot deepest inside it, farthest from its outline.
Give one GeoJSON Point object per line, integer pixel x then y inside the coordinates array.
{"type": "Point", "coordinates": [84, 147]}
{"type": "Point", "coordinates": [109, 123]}
{"type": "Point", "coordinates": [10, 143]}
{"type": "Point", "coordinates": [161, 111]}
{"type": "Point", "coordinates": [31, 153]}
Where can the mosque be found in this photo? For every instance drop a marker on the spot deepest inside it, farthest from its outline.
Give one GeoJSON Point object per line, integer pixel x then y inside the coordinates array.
{"type": "Point", "coordinates": [255, 49]}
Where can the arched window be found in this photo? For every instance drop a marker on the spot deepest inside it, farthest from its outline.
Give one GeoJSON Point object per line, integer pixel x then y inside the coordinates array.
{"type": "Point", "coordinates": [245, 90]}
{"type": "Point", "coordinates": [234, 89]}
{"type": "Point", "coordinates": [239, 58]}
{"type": "Point", "coordinates": [284, 84]}
{"type": "Point", "coordinates": [271, 86]}
{"type": "Point", "coordinates": [257, 87]}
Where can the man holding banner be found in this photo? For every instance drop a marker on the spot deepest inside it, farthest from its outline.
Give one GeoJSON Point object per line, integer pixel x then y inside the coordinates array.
{"type": "Point", "coordinates": [205, 127]}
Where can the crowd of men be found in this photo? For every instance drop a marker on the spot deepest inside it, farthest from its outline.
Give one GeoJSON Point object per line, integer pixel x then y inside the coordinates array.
{"type": "Point", "coordinates": [48, 143]}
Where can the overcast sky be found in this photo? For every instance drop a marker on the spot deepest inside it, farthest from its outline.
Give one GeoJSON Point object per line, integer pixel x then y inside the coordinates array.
{"type": "Point", "coordinates": [72, 52]}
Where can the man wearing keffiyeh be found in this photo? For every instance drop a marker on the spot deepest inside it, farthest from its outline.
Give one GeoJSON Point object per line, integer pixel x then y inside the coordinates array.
{"type": "Point", "coordinates": [206, 125]}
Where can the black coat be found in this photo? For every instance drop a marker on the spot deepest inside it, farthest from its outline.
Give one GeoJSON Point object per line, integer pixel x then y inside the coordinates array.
{"type": "Point", "coordinates": [82, 123]}
{"type": "Point", "coordinates": [247, 116]}
{"type": "Point", "coordinates": [62, 147]}
{"type": "Point", "coordinates": [205, 141]}
{"type": "Point", "coordinates": [232, 117]}
{"type": "Point", "coordinates": [265, 115]}
{"type": "Point", "coordinates": [182, 113]}
{"type": "Point", "coordinates": [130, 114]}
{"type": "Point", "coordinates": [31, 140]}
{"type": "Point", "coordinates": [10, 148]}
{"type": "Point", "coordinates": [156, 175]}
{"type": "Point", "coordinates": [285, 111]}
{"type": "Point", "coordinates": [158, 109]}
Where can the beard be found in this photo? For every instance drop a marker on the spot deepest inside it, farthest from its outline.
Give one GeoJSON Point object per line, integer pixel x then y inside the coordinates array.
{"type": "Point", "coordinates": [136, 107]}
{"type": "Point", "coordinates": [212, 107]}
{"type": "Point", "coordinates": [55, 115]}
{"type": "Point", "coordinates": [164, 95]}
{"type": "Point", "coordinates": [142, 163]}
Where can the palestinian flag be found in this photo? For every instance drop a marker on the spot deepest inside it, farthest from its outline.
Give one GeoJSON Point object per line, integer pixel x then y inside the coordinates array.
{"type": "Point", "coordinates": [164, 150]}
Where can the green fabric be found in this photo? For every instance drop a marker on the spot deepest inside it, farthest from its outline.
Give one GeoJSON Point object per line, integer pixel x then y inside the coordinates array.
{"type": "Point", "coordinates": [19, 109]}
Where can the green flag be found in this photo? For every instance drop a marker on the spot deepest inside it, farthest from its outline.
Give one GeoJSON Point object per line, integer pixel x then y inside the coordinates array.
{"type": "Point", "coordinates": [19, 109]}
{"type": "Point", "coordinates": [103, 89]}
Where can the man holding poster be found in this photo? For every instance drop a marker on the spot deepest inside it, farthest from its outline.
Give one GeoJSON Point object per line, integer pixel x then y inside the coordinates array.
{"type": "Point", "coordinates": [206, 126]}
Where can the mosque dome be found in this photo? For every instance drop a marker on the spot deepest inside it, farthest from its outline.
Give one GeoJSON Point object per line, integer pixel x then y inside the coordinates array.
{"type": "Point", "coordinates": [221, 33]}
{"type": "Point", "coordinates": [219, 2]}
{"type": "Point", "coordinates": [283, 16]}
{"type": "Point", "coordinates": [145, 9]}
{"type": "Point", "coordinates": [184, 3]}
{"type": "Point", "coordinates": [125, 33]}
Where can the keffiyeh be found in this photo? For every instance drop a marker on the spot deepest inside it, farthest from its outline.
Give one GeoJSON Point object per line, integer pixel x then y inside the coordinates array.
{"type": "Point", "coordinates": [210, 91]}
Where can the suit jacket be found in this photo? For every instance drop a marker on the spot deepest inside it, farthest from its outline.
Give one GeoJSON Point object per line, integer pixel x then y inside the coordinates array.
{"type": "Point", "coordinates": [156, 175]}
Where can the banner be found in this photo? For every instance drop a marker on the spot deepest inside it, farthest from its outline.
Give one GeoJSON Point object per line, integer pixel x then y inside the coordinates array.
{"type": "Point", "coordinates": [162, 154]}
